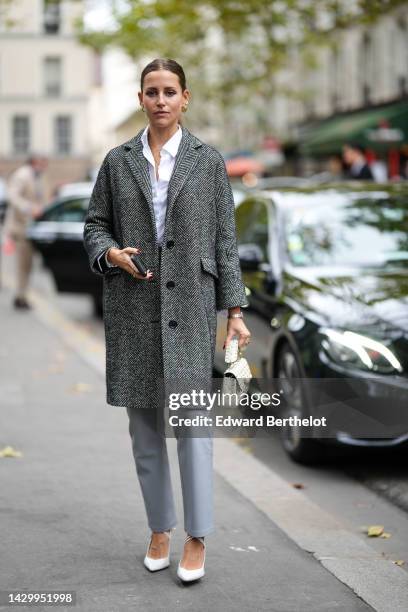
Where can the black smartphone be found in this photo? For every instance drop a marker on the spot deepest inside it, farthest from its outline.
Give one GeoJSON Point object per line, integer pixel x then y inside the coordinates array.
{"type": "Point", "coordinates": [139, 263]}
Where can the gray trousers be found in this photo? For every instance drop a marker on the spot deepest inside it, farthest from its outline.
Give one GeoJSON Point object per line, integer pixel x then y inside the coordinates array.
{"type": "Point", "coordinates": [195, 457]}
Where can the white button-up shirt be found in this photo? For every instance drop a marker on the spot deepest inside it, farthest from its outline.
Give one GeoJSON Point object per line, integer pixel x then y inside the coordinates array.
{"type": "Point", "coordinates": [160, 185]}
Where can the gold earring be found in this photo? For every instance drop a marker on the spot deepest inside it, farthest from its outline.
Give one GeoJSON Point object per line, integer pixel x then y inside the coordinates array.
{"type": "Point", "coordinates": [142, 107]}
{"type": "Point", "coordinates": [184, 108]}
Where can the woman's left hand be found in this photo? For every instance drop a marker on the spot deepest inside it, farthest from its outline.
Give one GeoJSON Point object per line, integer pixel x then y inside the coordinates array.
{"type": "Point", "coordinates": [237, 327]}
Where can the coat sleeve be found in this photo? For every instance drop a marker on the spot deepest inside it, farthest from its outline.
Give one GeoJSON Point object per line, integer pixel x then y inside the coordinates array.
{"type": "Point", "coordinates": [230, 287]}
{"type": "Point", "coordinates": [98, 229]}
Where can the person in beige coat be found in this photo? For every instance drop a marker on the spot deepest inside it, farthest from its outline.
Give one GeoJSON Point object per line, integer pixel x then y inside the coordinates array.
{"type": "Point", "coordinates": [25, 192]}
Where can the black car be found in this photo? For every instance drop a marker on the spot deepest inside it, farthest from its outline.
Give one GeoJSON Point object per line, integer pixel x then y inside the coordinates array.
{"type": "Point", "coordinates": [326, 275]}
{"type": "Point", "coordinates": [58, 235]}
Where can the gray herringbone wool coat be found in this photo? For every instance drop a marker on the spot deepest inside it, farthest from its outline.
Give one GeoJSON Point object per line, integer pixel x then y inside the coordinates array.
{"type": "Point", "coordinates": [165, 328]}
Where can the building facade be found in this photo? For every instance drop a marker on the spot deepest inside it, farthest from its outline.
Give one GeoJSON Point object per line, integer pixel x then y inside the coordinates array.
{"type": "Point", "coordinates": [361, 69]}
{"type": "Point", "coordinates": [46, 81]}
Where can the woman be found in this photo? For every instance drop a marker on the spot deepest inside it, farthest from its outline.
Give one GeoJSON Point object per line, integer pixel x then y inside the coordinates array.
{"type": "Point", "coordinates": [165, 194]}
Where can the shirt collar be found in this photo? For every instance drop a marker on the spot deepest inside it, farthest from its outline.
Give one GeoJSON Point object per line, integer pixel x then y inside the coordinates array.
{"type": "Point", "coordinates": [171, 145]}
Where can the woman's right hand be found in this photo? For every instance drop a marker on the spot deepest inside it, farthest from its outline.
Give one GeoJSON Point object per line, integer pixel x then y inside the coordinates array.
{"type": "Point", "coordinates": [121, 258]}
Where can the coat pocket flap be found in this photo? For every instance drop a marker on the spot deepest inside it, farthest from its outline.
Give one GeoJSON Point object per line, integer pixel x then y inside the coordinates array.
{"type": "Point", "coordinates": [210, 265]}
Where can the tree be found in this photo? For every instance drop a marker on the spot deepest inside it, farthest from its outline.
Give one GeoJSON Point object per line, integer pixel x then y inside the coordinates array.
{"type": "Point", "coordinates": [5, 20]}
{"type": "Point", "coordinates": [232, 49]}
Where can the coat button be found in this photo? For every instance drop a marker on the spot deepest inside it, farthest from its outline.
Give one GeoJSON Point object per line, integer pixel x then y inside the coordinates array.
{"type": "Point", "coordinates": [170, 285]}
{"type": "Point", "coordinates": [170, 244]}
{"type": "Point", "coordinates": [173, 323]}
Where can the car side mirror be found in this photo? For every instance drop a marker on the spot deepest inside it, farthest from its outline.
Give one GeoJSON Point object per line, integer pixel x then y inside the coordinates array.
{"type": "Point", "coordinates": [250, 256]}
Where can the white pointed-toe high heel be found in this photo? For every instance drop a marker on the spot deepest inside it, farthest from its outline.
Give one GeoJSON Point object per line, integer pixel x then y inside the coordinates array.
{"type": "Point", "coordinates": [188, 575]}
{"type": "Point", "coordinates": [157, 564]}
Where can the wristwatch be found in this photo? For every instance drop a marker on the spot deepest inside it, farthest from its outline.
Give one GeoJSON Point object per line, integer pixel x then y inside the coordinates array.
{"type": "Point", "coordinates": [235, 315]}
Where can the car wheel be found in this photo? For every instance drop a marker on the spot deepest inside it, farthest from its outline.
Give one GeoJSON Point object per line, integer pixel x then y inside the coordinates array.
{"type": "Point", "coordinates": [294, 403]}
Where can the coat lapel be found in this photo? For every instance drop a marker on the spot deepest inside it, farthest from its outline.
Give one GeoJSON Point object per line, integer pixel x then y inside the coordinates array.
{"type": "Point", "coordinates": [186, 159]}
{"type": "Point", "coordinates": [140, 169]}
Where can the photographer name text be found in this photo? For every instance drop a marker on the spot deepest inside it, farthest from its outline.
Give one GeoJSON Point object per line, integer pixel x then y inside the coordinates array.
{"type": "Point", "coordinates": [259, 421]}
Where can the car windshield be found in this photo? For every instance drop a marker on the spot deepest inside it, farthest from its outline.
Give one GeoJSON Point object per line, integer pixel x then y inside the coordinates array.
{"type": "Point", "coordinates": [71, 210]}
{"type": "Point", "coordinates": [348, 229]}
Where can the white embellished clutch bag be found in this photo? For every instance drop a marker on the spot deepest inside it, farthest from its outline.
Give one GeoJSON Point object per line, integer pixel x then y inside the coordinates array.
{"type": "Point", "coordinates": [238, 375]}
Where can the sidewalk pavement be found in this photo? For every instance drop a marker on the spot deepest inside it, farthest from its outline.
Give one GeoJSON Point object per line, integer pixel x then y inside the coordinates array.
{"type": "Point", "coordinates": [73, 516]}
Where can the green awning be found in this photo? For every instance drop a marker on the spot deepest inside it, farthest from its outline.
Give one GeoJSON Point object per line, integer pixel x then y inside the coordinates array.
{"type": "Point", "coordinates": [378, 129]}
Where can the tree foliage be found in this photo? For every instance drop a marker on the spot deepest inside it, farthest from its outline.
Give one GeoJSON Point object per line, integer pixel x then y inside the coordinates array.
{"type": "Point", "coordinates": [232, 48]}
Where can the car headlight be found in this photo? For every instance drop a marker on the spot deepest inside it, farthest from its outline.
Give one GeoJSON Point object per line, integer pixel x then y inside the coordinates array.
{"type": "Point", "coordinates": [351, 349]}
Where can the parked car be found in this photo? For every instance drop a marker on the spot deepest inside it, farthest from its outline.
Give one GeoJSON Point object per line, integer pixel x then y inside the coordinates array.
{"type": "Point", "coordinates": [279, 182]}
{"type": "Point", "coordinates": [58, 235]}
{"type": "Point", "coordinates": [326, 275]}
{"type": "Point", "coordinates": [75, 189]}
{"type": "Point", "coordinates": [239, 192]}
